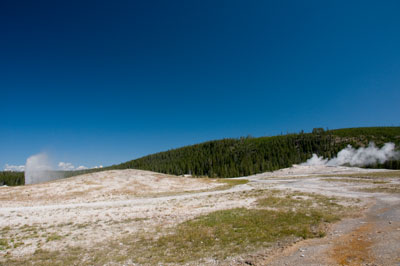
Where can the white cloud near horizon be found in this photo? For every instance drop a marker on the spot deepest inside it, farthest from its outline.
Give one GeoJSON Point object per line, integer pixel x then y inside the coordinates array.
{"type": "Point", "coordinates": [14, 168]}
{"type": "Point", "coordinates": [64, 166]}
{"type": "Point", "coordinates": [70, 167]}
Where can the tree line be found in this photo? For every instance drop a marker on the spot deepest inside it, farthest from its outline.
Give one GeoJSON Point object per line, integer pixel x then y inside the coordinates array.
{"type": "Point", "coordinates": [247, 156]}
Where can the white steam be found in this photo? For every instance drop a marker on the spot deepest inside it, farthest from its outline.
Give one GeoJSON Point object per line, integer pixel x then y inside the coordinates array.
{"type": "Point", "coordinates": [38, 169]}
{"type": "Point", "coordinates": [358, 157]}
{"type": "Point", "coordinates": [315, 160]}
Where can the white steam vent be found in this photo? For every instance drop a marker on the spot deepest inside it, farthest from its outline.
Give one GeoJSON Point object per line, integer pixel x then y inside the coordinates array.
{"type": "Point", "coordinates": [38, 169]}
{"type": "Point", "coordinates": [358, 157]}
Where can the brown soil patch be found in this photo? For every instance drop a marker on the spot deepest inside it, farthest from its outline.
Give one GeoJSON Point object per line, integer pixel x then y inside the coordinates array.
{"type": "Point", "coordinates": [354, 248]}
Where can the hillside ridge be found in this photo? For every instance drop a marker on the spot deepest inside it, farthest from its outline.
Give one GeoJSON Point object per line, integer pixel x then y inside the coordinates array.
{"type": "Point", "coordinates": [248, 155]}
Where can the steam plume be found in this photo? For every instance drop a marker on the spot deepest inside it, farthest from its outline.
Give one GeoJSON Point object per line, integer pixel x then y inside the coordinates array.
{"type": "Point", "coordinates": [358, 157]}
{"type": "Point", "coordinates": [38, 169]}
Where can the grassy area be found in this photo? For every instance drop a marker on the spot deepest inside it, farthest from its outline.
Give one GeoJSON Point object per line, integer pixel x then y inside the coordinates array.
{"type": "Point", "coordinates": [354, 180]}
{"type": "Point", "coordinates": [232, 182]}
{"type": "Point", "coordinates": [3, 244]}
{"type": "Point", "coordinates": [224, 233]}
{"type": "Point", "coordinates": [276, 216]}
{"type": "Point", "coordinates": [53, 237]}
{"type": "Point", "coordinates": [373, 175]}
{"type": "Point", "coordinates": [392, 188]}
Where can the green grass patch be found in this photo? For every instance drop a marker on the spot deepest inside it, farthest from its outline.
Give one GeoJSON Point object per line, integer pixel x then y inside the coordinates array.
{"type": "Point", "coordinates": [354, 180]}
{"type": "Point", "coordinates": [233, 182]}
{"type": "Point", "coordinates": [18, 244]}
{"type": "Point", "coordinates": [5, 229]}
{"type": "Point", "coordinates": [373, 175]}
{"type": "Point", "coordinates": [4, 244]}
{"type": "Point", "coordinates": [328, 208]}
{"type": "Point", "coordinates": [393, 188]}
{"type": "Point", "coordinates": [223, 233]}
{"type": "Point", "coordinates": [69, 256]}
{"type": "Point", "coordinates": [53, 237]}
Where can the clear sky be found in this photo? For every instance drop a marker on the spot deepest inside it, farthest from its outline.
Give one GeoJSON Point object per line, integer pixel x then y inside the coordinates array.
{"type": "Point", "coordinates": [102, 82]}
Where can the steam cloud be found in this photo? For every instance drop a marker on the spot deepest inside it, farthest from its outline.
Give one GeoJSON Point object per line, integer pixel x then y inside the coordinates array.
{"type": "Point", "coordinates": [358, 157]}
{"type": "Point", "coordinates": [38, 169]}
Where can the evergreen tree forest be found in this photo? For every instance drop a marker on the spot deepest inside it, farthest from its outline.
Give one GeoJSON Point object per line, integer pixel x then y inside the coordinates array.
{"type": "Point", "coordinates": [247, 156]}
{"type": "Point", "coordinates": [12, 178]}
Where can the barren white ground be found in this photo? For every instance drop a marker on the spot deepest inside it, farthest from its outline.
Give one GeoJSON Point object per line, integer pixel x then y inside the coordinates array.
{"type": "Point", "coordinates": [93, 208]}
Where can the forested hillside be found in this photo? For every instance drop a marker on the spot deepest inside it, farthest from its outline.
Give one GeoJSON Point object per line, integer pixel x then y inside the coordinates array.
{"type": "Point", "coordinates": [247, 156]}
{"type": "Point", "coordinates": [12, 178]}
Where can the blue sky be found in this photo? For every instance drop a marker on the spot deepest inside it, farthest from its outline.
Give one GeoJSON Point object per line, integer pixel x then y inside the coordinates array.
{"type": "Point", "coordinates": [102, 82]}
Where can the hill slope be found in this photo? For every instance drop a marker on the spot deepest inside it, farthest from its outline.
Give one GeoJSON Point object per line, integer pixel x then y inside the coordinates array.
{"type": "Point", "coordinates": [247, 156]}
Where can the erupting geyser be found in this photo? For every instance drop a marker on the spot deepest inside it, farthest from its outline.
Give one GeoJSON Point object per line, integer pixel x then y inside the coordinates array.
{"type": "Point", "coordinates": [38, 169]}
{"type": "Point", "coordinates": [358, 157]}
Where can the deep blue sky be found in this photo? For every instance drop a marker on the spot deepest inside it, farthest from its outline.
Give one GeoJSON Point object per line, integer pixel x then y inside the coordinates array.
{"type": "Point", "coordinates": [101, 82]}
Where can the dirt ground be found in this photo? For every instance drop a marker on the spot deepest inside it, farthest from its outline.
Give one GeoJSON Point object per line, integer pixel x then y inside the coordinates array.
{"type": "Point", "coordinates": [103, 206]}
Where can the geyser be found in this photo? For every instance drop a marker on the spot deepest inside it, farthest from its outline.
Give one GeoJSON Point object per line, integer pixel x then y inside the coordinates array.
{"type": "Point", "coordinates": [38, 169]}
{"type": "Point", "coordinates": [358, 157]}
